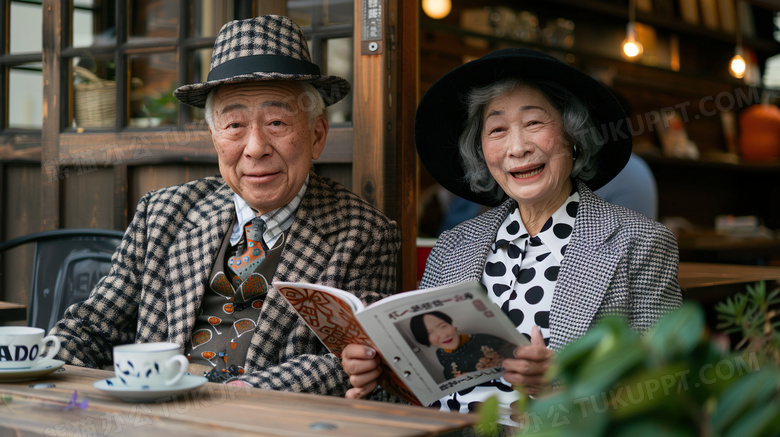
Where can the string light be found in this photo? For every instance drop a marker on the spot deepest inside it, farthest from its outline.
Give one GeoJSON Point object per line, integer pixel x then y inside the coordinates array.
{"type": "Point", "coordinates": [437, 9]}
{"type": "Point", "coordinates": [737, 66]}
{"type": "Point", "coordinates": [632, 49]}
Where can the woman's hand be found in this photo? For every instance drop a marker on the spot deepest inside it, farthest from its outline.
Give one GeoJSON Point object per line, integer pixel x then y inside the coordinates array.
{"type": "Point", "coordinates": [529, 365]}
{"type": "Point", "coordinates": [361, 363]}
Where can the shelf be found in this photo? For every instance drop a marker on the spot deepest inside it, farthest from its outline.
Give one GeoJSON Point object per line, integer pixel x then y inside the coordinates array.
{"type": "Point", "coordinates": [700, 190]}
{"type": "Point", "coordinates": [671, 24]}
{"type": "Point", "coordinates": [704, 163]}
{"type": "Point", "coordinates": [685, 84]}
{"type": "Point", "coordinates": [600, 24]}
{"type": "Point", "coordinates": [430, 25]}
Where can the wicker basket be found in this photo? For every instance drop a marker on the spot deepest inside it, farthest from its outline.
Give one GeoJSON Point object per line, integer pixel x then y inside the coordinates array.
{"type": "Point", "coordinates": [95, 100]}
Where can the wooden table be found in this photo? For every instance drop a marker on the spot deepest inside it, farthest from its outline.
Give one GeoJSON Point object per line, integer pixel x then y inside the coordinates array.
{"type": "Point", "coordinates": [12, 312]}
{"type": "Point", "coordinates": [212, 410]}
{"type": "Point", "coordinates": [713, 247]}
{"type": "Point", "coordinates": [693, 275]}
{"type": "Point", "coordinates": [711, 282]}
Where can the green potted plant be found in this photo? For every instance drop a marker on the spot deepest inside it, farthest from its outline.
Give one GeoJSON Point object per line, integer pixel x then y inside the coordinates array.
{"type": "Point", "coordinates": [674, 381]}
{"type": "Point", "coordinates": [754, 317]}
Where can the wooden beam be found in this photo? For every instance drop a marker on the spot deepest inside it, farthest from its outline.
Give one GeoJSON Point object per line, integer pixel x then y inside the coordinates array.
{"type": "Point", "coordinates": [170, 144]}
{"type": "Point", "coordinates": [384, 168]}
{"type": "Point", "coordinates": [121, 198]}
{"type": "Point", "coordinates": [50, 136]}
{"type": "Point", "coordinates": [122, 69]}
{"type": "Point", "coordinates": [3, 219]}
{"type": "Point", "coordinates": [5, 20]}
{"type": "Point", "coordinates": [404, 54]}
{"type": "Point", "coordinates": [368, 96]}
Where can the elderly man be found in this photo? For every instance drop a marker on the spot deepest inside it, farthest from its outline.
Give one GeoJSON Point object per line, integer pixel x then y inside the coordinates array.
{"type": "Point", "coordinates": [196, 263]}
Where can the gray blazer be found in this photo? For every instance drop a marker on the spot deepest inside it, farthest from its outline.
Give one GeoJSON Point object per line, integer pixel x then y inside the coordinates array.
{"type": "Point", "coordinates": [618, 262]}
{"type": "Point", "coordinates": [161, 270]}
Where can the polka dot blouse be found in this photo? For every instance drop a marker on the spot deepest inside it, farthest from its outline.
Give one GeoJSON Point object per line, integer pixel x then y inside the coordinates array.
{"type": "Point", "coordinates": [520, 276]}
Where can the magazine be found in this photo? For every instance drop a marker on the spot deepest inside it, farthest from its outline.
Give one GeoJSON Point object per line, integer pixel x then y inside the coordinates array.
{"type": "Point", "coordinates": [432, 342]}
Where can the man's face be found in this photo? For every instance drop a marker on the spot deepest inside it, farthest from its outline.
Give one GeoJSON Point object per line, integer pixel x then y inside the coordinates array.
{"type": "Point", "coordinates": [264, 141]}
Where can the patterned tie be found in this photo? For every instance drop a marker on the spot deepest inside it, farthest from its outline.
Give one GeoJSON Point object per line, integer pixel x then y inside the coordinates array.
{"type": "Point", "coordinates": [250, 252]}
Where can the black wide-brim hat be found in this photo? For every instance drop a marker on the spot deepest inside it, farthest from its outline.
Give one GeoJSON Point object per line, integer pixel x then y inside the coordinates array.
{"type": "Point", "coordinates": [442, 113]}
{"type": "Point", "coordinates": [270, 47]}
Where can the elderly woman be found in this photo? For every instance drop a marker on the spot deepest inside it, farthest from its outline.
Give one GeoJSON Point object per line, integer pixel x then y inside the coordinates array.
{"type": "Point", "coordinates": [533, 137]}
{"type": "Point", "coordinates": [457, 352]}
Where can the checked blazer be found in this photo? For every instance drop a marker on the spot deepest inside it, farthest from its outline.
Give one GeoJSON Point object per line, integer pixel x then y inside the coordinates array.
{"type": "Point", "coordinates": [617, 263]}
{"type": "Point", "coordinates": [161, 270]}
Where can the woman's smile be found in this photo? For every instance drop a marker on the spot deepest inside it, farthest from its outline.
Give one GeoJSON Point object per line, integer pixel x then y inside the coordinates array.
{"type": "Point", "coordinates": [527, 173]}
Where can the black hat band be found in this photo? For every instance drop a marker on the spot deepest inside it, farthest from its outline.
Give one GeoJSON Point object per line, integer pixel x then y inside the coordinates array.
{"type": "Point", "coordinates": [262, 64]}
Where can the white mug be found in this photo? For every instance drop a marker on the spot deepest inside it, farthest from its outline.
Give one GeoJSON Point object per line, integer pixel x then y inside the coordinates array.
{"type": "Point", "coordinates": [149, 364]}
{"type": "Point", "coordinates": [21, 347]}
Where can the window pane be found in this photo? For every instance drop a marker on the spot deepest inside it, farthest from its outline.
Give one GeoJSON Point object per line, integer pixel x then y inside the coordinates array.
{"type": "Point", "coordinates": [94, 24]}
{"type": "Point", "coordinates": [154, 19]}
{"type": "Point", "coordinates": [209, 16]}
{"type": "Point", "coordinates": [94, 92]}
{"type": "Point", "coordinates": [339, 12]}
{"type": "Point", "coordinates": [153, 79]}
{"type": "Point", "coordinates": [200, 72]}
{"type": "Point", "coordinates": [301, 11]}
{"type": "Point", "coordinates": [321, 12]}
{"type": "Point", "coordinates": [338, 62]}
{"type": "Point", "coordinates": [25, 97]}
{"type": "Point", "coordinates": [26, 24]}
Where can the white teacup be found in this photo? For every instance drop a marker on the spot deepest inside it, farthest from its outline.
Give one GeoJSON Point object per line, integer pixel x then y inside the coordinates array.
{"type": "Point", "coordinates": [21, 347]}
{"type": "Point", "coordinates": [149, 364]}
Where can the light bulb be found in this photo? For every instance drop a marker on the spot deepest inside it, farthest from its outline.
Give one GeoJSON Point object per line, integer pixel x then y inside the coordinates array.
{"type": "Point", "coordinates": [737, 66]}
{"type": "Point", "coordinates": [631, 47]}
{"type": "Point", "coordinates": [437, 9]}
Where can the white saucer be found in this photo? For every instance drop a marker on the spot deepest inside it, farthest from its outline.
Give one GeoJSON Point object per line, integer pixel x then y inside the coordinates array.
{"type": "Point", "coordinates": [114, 387]}
{"type": "Point", "coordinates": [19, 375]}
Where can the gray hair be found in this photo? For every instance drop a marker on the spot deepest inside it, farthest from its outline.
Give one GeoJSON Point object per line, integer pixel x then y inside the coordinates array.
{"type": "Point", "coordinates": [313, 103]}
{"type": "Point", "coordinates": [577, 126]}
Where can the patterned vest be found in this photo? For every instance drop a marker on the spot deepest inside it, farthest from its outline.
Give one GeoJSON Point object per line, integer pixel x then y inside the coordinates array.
{"type": "Point", "coordinates": [228, 315]}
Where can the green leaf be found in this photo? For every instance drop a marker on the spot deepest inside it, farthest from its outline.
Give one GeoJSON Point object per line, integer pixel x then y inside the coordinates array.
{"type": "Point", "coordinates": [762, 420]}
{"type": "Point", "coordinates": [725, 307]}
{"type": "Point", "coordinates": [575, 352]}
{"type": "Point", "coordinates": [609, 334]}
{"type": "Point", "coordinates": [648, 391]}
{"type": "Point", "coordinates": [560, 416]}
{"type": "Point", "coordinates": [748, 391]}
{"type": "Point", "coordinates": [677, 333]}
{"type": "Point", "coordinates": [600, 374]}
{"type": "Point", "coordinates": [488, 418]}
{"type": "Point", "coordinates": [651, 428]}
{"type": "Point", "coordinates": [773, 295]}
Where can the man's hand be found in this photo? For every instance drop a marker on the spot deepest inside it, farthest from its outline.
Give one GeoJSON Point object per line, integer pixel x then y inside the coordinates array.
{"type": "Point", "coordinates": [529, 365]}
{"type": "Point", "coordinates": [361, 363]}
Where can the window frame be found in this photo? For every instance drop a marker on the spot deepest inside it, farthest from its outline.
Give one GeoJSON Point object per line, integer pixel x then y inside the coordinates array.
{"type": "Point", "coordinates": [186, 140]}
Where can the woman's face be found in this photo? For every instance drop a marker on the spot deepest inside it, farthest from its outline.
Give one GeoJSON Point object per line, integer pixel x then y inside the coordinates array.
{"type": "Point", "coordinates": [440, 333]}
{"type": "Point", "coordinates": [526, 149]}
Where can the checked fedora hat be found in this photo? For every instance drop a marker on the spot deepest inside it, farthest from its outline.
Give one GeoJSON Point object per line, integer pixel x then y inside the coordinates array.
{"type": "Point", "coordinates": [270, 47]}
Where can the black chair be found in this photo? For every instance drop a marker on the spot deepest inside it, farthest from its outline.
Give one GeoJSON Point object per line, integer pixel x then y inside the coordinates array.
{"type": "Point", "coordinates": [67, 263]}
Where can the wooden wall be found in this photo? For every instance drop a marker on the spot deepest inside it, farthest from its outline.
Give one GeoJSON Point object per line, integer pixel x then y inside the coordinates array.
{"type": "Point", "coordinates": [20, 187]}
{"type": "Point", "coordinates": [97, 197]}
